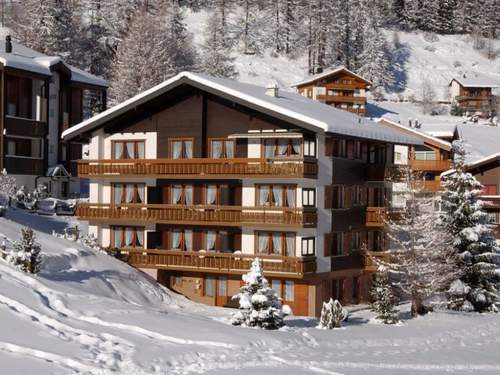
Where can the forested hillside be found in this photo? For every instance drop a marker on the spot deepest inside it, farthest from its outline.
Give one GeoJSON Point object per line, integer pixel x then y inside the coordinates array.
{"type": "Point", "coordinates": [138, 43]}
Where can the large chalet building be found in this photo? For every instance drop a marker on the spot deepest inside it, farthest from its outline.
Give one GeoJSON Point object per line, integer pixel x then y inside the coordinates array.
{"type": "Point", "coordinates": [472, 94]}
{"type": "Point", "coordinates": [339, 88]}
{"type": "Point", "coordinates": [41, 96]}
{"type": "Point", "coordinates": [196, 177]}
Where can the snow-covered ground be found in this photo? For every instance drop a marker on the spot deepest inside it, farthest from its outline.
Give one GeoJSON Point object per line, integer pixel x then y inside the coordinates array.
{"type": "Point", "coordinates": [88, 313]}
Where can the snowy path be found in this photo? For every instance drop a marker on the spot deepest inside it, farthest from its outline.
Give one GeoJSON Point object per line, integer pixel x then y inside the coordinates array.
{"type": "Point", "coordinates": [90, 314]}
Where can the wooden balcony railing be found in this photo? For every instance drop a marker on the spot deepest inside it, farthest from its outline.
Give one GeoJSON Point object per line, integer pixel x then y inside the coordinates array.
{"type": "Point", "coordinates": [200, 168]}
{"type": "Point", "coordinates": [25, 127]}
{"type": "Point", "coordinates": [490, 201]}
{"type": "Point", "coordinates": [227, 263]}
{"type": "Point", "coordinates": [375, 216]}
{"type": "Point", "coordinates": [430, 165]}
{"type": "Point", "coordinates": [199, 214]}
{"type": "Point", "coordinates": [429, 185]}
{"type": "Point", "coordinates": [370, 259]}
{"type": "Point", "coordinates": [342, 98]}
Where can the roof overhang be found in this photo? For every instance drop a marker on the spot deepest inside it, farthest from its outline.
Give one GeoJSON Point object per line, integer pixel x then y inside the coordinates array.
{"type": "Point", "coordinates": [266, 135]}
{"type": "Point", "coordinates": [329, 73]}
{"type": "Point", "coordinates": [426, 138]}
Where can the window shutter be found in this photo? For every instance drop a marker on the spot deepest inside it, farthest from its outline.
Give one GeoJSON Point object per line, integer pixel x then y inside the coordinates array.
{"type": "Point", "coordinates": [328, 238]}
{"type": "Point", "coordinates": [364, 151]}
{"type": "Point", "coordinates": [329, 147]}
{"type": "Point", "coordinates": [347, 243]}
{"type": "Point", "coordinates": [350, 150]}
{"type": "Point", "coordinates": [348, 192]}
{"type": "Point", "coordinates": [328, 196]}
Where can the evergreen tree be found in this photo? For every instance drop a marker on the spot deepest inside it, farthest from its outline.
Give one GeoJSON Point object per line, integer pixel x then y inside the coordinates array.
{"type": "Point", "coordinates": [259, 304]}
{"type": "Point", "coordinates": [473, 239]}
{"type": "Point", "coordinates": [383, 298]}
{"type": "Point", "coordinates": [332, 315]}
{"type": "Point", "coordinates": [26, 252]}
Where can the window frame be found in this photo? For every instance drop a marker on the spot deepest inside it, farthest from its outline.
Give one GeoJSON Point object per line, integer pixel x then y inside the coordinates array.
{"type": "Point", "coordinates": [276, 141]}
{"type": "Point", "coordinates": [122, 229]}
{"type": "Point", "coordinates": [124, 147]}
{"type": "Point", "coordinates": [338, 244]}
{"type": "Point", "coordinates": [136, 192]}
{"type": "Point", "coordinates": [223, 140]}
{"type": "Point", "coordinates": [309, 143]}
{"type": "Point", "coordinates": [283, 249]}
{"type": "Point", "coordinates": [284, 190]}
{"type": "Point", "coordinates": [16, 139]}
{"type": "Point", "coordinates": [171, 140]}
{"type": "Point", "coordinates": [338, 199]}
{"type": "Point", "coordinates": [309, 242]}
{"type": "Point", "coordinates": [306, 197]}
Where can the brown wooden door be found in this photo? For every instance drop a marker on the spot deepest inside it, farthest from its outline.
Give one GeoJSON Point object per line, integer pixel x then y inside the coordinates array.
{"type": "Point", "coordinates": [221, 297]}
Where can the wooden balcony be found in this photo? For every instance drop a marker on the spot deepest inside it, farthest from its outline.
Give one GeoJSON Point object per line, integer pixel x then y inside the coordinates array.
{"type": "Point", "coordinates": [491, 202]}
{"type": "Point", "coordinates": [431, 186]}
{"type": "Point", "coordinates": [201, 168]}
{"type": "Point", "coordinates": [345, 262]}
{"type": "Point", "coordinates": [233, 216]}
{"type": "Point", "coordinates": [25, 127]}
{"type": "Point", "coordinates": [430, 165]}
{"type": "Point", "coordinates": [370, 259]}
{"type": "Point", "coordinates": [375, 216]}
{"type": "Point", "coordinates": [342, 99]}
{"type": "Point", "coordinates": [225, 263]}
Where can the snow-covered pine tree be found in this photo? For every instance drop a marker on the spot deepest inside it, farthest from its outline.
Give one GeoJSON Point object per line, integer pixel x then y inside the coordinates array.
{"type": "Point", "coordinates": [332, 315]}
{"type": "Point", "coordinates": [473, 239]}
{"type": "Point", "coordinates": [258, 303]}
{"type": "Point", "coordinates": [252, 27]}
{"type": "Point", "coordinates": [25, 254]}
{"type": "Point", "coordinates": [420, 253]}
{"type": "Point", "coordinates": [216, 59]}
{"type": "Point", "coordinates": [8, 184]}
{"type": "Point", "coordinates": [383, 300]}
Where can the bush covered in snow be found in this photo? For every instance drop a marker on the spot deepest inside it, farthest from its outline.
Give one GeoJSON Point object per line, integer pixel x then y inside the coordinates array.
{"type": "Point", "coordinates": [473, 240]}
{"type": "Point", "coordinates": [383, 301]}
{"type": "Point", "coordinates": [25, 254]}
{"type": "Point", "coordinates": [332, 315]}
{"type": "Point", "coordinates": [259, 305]}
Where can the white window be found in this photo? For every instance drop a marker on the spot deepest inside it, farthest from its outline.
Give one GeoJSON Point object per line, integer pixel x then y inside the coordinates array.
{"type": "Point", "coordinates": [309, 148]}
{"type": "Point", "coordinates": [308, 197]}
{"type": "Point", "coordinates": [289, 290]}
{"type": "Point", "coordinates": [209, 286]}
{"type": "Point", "coordinates": [397, 156]}
{"type": "Point", "coordinates": [308, 246]}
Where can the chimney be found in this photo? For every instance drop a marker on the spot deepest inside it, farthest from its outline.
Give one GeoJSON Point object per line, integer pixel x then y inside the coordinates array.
{"type": "Point", "coordinates": [272, 90]}
{"type": "Point", "coordinates": [8, 44]}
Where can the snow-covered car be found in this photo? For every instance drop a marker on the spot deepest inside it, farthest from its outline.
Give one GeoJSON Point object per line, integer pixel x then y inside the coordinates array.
{"type": "Point", "coordinates": [47, 206]}
{"type": "Point", "coordinates": [4, 204]}
{"type": "Point", "coordinates": [65, 208]}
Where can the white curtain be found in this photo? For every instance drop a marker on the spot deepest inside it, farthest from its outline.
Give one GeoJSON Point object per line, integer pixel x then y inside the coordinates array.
{"type": "Point", "coordinates": [139, 233]}
{"type": "Point", "coordinates": [296, 146]}
{"type": "Point", "coordinates": [210, 240]}
{"type": "Point", "coordinates": [278, 195]}
{"type": "Point", "coordinates": [176, 194]}
{"type": "Point", "coordinates": [282, 147]}
{"type": "Point", "coordinates": [140, 193]}
{"type": "Point", "coordinates": [216, 149]}
{"type": "Point", "coordinates": [290, 196]}
{"type": "Point", "coordinates": [118, 150]}
{"type": "Point", "coordinates": [269, 148]}
{"type": "Point", "coordinates": [130, 150]}
{"type": "Point", "coordinates": [188, 240]}
{"type": "Point", "coordinates": [129, 236]}
{"type": "Point", "coordinates": [188, 146]}
{"type": "Point", "coordinates": [209, 286]}
{"type": "Point", "coordinates": [188, 193]}
{"type": "Point", "coordinates": [229, 149]}
{"type": "Point", "coordinates": [211, 194]}
{"type": "Point", "coordinates": [176, 149]}
{"type": "Point", "coordinates": [276, 243]}
{"type": "Point", "coordinates": [276, 285]}
{"type": "Point", "coordinates": [290, 244]}
{"type": "Point", "coordinates": [263, 195]}
{"type": "Point", "coordinates": [118, 193]}
{"type": "Point", "coordinates": [118, 238]}
{"type": "Point", "coordinates": [140, 150]}
{"type": "Point", "coordinates": [289, 295]}
{"type": "Point", "coordinates": [263, 242]}
{"type": "Point", "coordinates": [129, 189]}
{"type": "Point", "coordinates": [176, 239]}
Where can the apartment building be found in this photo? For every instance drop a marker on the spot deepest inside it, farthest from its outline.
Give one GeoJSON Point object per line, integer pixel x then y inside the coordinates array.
{"type": "Point", "coordinates": [41, 96]}
{"type": "Point", "coordinates": [472, 94]}
{"type": "Point", "coordinates": [196, 177]}
{"type": "Point", "coordinates": [339, 88]}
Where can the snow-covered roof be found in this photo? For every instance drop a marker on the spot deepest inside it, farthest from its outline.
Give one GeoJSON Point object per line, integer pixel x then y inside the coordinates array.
{"type": "Point", "coordinates": [288, 106]}
{"type": "Point", "coordinates": [418, 133]}
{"type": "Point", "coordinates": [480, 141]}
{"type": "Point", "coordinates": [57, 171]}
{"type": "Point", "coordinates": [327, 74]}
{"type": "Point", "coordinates": [27, 59]}
{"type": "Point", "coordinates": [475, 80]}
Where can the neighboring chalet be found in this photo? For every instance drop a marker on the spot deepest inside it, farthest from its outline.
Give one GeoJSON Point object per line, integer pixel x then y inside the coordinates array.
{"type": "Point", "coordinates": [41, 97]}
{"type": "Point", "coordinates": [473, 95]}
{"type": "Point", "coordinates": [339, 88]}
{"type": "Point", "coordinates": [197, 176]}
{"type": "Point", "coordinates": [429, 159]}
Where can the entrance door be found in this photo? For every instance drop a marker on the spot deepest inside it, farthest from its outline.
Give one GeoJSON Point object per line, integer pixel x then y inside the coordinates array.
{"type": "Point", "coordinates": [221, 296]}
